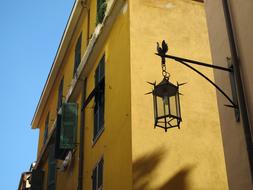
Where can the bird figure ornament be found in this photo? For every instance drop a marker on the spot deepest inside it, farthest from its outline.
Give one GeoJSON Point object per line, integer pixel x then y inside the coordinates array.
{"type": "Point", "coordinates": [162, 50]}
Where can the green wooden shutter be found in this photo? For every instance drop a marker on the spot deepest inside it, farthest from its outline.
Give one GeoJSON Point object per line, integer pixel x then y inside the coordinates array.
{"type": "Point", "coordinates": [97, 175]}
{"type": "Point", "coordinates": [100, 173]}
{"type": "Point", "coordinates": [94, 179]}
{"type": "Point", "coordinates": [68, 126]}
{"type": "Point", "coordinates": [99, 97]}
{"type": "Point", "coordinates": [37, 180]}
{"type": "Point", "coordinates": [101, 8]}
{"type": "Point", "coordinates": [60, 94]}
{"type": "Point", "coordinates": [46, 129]}
{"type": "Point", "coordinates": [51, 181]}
{"type": "Point", "coordinates": [59, 153]}
{"type": "Point", "coordinates": [77, 53]}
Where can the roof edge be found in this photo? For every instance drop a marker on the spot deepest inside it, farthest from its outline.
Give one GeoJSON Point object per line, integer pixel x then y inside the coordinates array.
{"type": "Point", "coordinates": [65, 40]}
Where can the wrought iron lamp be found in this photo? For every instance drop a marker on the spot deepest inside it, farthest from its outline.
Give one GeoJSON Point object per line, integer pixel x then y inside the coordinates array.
{"type": "Point", "coordinates": [166, 100]}
{"type": "Point", "coordinates": [166, 105]}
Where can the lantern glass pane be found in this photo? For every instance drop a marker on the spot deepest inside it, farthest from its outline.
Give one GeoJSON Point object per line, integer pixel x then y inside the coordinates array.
{"type": "Point", "coordinates": [166, 104]}
{"type": "Point", "coordinates": [160, 107]}
{"type": "Point", "coordinates": [155, 107]}
{"type": "Point", "coordinates": [173, 122]}
{"type": "Point", "coordinates": [178, 106]}
{"type": "Point", "coordinates": [173, 108]}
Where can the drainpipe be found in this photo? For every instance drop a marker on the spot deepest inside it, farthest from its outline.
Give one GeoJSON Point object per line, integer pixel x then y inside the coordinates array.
{"type": "Point", "coordinates": [82, 123]}
{"type": "Point", "coordinates": [239, 84]}
{"type": "Point", "coordinates": [81, 132]}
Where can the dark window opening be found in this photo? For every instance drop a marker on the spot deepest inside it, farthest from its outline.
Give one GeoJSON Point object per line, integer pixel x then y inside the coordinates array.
{"type": "Point", "coordinates": [51, 178]}
{"type": "Point", "coordinates": [36, 179]}
{"type": "Point", "coordinates": [101, 8]}
{"type": "Point", "coordinates": [60, 95]}
{"type": "Point", "coordinates": [46, 129]}
{"type": "Point", "coordinates": [77, 54]}
{"type": "Point", "coordinates": [99, 98]}
{"type": "Point", "coordinates": [97, 176]}
{"type": "Point", "coordinates": [66, 127]}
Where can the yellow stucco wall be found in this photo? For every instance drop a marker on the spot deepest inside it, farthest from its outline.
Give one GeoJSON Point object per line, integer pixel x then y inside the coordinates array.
{"type": "Point", "coordinates": [135, 155]}
{"type": "Point", "coordinates": [190, 158]}
{"type": "Point", "coordinates": [68, 179]}
{"type": "Point", "coordinates": [66, 71]}
{"type": "Point", "coordinates": [114, 144]}
{"type": "Point", "coordinates": [233, 132]}
{"type": "Point", "coordinates": [117, 133]}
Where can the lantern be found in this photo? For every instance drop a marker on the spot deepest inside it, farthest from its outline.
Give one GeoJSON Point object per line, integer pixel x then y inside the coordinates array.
{"type": "Point", "coordinates": [166, 105]}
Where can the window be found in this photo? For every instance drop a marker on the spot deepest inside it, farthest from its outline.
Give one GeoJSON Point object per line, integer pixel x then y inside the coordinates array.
{"type": "Point", "coordinates": [101, 8]}
{"type": "Point", "coordinates": [66, 127]}
{"type": "Point", "coordinates": [99, 98]}
{"type": "Point", "coordinates": [36, 179]}
{"type": "Point", "coordinates": [77, 54]}
{"type": "Point", "coordinates": [46, 129]}
{"type": "Point", "coordinates": [51, 178]}
{"type": "Point", "coordinates": [97, 176]}
{"type": "Point", "coordinates": [60, 95]}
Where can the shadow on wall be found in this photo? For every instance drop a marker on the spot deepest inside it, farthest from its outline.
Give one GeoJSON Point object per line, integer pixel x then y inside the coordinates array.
{"type": "Point", "coordinates": [145, 170]}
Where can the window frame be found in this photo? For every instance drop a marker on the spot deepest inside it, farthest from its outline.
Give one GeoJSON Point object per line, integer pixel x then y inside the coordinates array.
{"type": "Point", "coordinates": [101, 10]}
{"type": "Point", "coordinates": [52, 169]}
{"type": "Point", "coordinates": [78, 54]}
{"type": "Point", "coordinates": [60, 94]}
{"type": "Point", "coordinates": [95, 172]}
{"type": "Point", "coordinates": [45, 137]}
{"type": "Point", "coordinates": [99, 100]}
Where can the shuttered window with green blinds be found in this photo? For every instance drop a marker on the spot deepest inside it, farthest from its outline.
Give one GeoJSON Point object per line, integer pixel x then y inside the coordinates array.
{"type": "Point", "coordinates": [101, 9]}
{"type": "Point", "coordinates": [77, 53]}
{"type": "Point", "coordinates": [97, 176]}
{"type": "Point", "coordinates": [51, 180]}
{"type": "Point", "coordinates": [46, 128]}
{"type": "Point", "coordinates": [68, 126]}
{"type": "Point", "coordinates": [59, 153]}
{"type": "Point", "coordinates": [99, 98]}
{"type": "Point", "coordinates": [37, 179]}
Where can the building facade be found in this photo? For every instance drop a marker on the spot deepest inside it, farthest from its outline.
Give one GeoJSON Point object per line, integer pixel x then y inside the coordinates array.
{"type": "Point", "coordinates": [230, 36]}
{"type": "Point", "coordinates": [96, 124]}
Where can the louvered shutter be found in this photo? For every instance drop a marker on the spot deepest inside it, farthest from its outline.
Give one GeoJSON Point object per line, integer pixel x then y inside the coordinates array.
{"type": "Point", "coordinates": [37, 180]}
{"type": "Point", "coordinates": [101, 8]}
{"type": "Point", "coordinates": [78, 53]}
{"type": "Point", "coordinates": [97, 175]}
{"type": "Point", "coordinates": [100, 173]}
{"type": "Point", "coordinates": [60, 94]}
{"type": "Point", "coordinates": [68, 126]}
{"type": "Point", "coordinates": [59, 153]}
{"type": "Point", "coordinates": [46, 129]}
{"type": "Point", "coordinates": [94, 179]}
{"type": "Point", "coordinates": [96, 107]}
{"type": "Point", "coordinates": [51, 182]}
{"type": "Point", "coordinates": [99, 97]}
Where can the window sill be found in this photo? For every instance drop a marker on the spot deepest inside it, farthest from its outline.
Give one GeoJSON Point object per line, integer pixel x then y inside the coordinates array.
{"type": "Point", "coordinates": [95, 139]}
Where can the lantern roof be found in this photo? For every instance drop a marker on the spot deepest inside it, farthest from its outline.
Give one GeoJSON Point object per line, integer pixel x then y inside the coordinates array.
{"type": "Point", "coordinates": [165, 89]}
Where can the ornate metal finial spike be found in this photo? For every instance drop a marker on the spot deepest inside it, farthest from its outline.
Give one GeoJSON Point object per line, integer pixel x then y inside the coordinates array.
{"type": "Point", "coordinates": [181, 84]}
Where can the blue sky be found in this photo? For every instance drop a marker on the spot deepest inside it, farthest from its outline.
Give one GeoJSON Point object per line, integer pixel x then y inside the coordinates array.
{"type": "Point", "coordinates": [30, 32]}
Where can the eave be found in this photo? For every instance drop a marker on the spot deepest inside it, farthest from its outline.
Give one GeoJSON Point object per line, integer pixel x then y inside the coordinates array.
{"type": "Point", "coordinates": [98, 39]}
{"type": "Point", "coordinates": [88, 60]}
{"type": "Point", "coordinates": [63, 47]}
